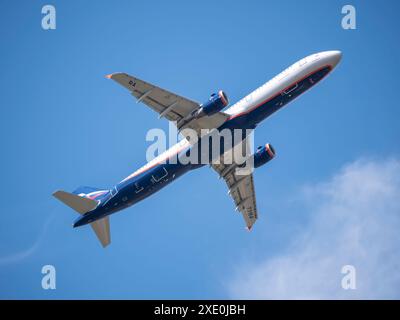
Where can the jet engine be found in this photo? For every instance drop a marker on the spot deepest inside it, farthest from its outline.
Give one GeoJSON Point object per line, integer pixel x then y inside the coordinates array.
{"type": "Point", "coordinates": [214, 104]}
{"type": "Point", "coordinates": [263, 155]}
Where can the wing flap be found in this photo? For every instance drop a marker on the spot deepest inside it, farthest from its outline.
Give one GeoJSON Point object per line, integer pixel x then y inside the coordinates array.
{"type": "Point", "coordinates": [156, 98]}
{"type": "Point", "coordinates": [209, 122]}
{"type": "Point", "coordinates": [168, 104]}
{"type": "Point", "coordinates": [241, 188]}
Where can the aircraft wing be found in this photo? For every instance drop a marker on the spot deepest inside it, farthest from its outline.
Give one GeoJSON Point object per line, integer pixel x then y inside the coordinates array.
{"type": "Point", "coordinates": [167, 104]}
{"type": "Point", "coordinates": [241, 189]}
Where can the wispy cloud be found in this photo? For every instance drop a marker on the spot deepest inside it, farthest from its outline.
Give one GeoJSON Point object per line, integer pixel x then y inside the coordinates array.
{"type": "Point", "coordinates": [22, 255]}
{"type": "Point", "coordinates": [355, 219]}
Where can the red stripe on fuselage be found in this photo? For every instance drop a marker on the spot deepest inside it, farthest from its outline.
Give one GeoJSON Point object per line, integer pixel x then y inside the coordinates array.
{"type": "Point", "coordinates": [230, 118]}
{"type": "Point", "coordinates": [280, 92]}
{"type": "Point", "coordinates": [140, 171]}
{"type": "Point", "coordinates": [97, 195]}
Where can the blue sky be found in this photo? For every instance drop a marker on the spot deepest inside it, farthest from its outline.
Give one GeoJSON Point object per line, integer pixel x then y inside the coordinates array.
{"type": "Point", "coordinates": [64, 125]}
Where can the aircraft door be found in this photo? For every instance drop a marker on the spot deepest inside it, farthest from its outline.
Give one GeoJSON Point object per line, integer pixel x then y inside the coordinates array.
{"type": "Point", "coordinates": [160, 174]}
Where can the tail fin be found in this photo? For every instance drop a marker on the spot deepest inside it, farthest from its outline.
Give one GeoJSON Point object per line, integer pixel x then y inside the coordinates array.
{"type": "Point", "coordinates": [85, 190]}
{"type": "Point", "coordinates": [78, 203]}
{"type": "Point", "coordinates": [82, 205]}
{"type": "Point", "coordinates": [91, 193]}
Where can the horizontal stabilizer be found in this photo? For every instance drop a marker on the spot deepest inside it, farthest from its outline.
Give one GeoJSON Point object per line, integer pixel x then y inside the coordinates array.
{"type": "Point", "coordinates": [102, 229]}
{"type": "Point", "coordinates": [79, 204]}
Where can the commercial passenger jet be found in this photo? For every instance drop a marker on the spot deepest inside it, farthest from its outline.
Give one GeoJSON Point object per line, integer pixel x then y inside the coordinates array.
{"type": "Point", "coordinates": [95, 205]}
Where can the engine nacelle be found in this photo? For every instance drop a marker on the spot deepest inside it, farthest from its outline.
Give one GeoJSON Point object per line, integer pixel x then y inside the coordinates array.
{"type": "Point", "coordinates": [215, 103]}
{"type": "Point", "coordinates": [263, 155]}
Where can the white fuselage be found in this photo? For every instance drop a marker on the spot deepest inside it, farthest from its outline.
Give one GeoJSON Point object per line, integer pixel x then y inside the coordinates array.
{"type": "Point", "coordinates": [291, 75]}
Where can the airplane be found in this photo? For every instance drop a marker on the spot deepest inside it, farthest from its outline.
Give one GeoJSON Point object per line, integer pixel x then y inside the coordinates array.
{"type": "Point", "coordinates": [96, 205]}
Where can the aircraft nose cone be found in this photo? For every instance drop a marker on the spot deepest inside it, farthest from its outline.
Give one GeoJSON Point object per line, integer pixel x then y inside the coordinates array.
{"type": "Point", "coordinates": [335, 57]}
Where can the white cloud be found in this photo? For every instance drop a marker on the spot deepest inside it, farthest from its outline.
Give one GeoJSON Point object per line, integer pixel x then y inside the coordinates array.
{"type": "Point", "coordinates": [355, 219]}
